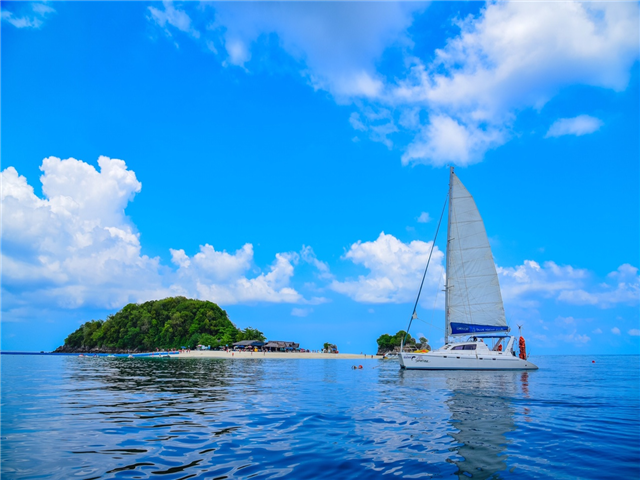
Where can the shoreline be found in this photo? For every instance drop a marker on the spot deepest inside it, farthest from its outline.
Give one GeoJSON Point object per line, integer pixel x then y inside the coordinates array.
{"type": "Point", "coordinates": [214, 354]}
{"type": "Point", "coordinates": [273, 355]}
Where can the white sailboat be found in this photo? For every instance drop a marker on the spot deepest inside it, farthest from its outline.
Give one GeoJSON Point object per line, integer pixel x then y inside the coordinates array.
{"type": "Point", "coordinates": [473, 301]}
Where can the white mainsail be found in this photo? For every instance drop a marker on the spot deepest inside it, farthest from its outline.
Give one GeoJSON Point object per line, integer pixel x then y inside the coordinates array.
{"type": "Point", "coordinates": [473, 298]}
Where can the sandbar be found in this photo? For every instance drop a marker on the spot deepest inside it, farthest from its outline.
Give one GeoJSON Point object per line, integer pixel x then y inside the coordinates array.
{"type": "Point", "coordinates": [274, 355]}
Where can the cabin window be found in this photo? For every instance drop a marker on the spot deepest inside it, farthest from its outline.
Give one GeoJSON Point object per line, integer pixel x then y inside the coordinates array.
{"type": "Point", "coordinates": [464, 347]}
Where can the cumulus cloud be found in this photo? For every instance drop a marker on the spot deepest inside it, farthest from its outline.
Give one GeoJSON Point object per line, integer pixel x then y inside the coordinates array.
{"type": "Point", "coordinates": [615, 331]}
{"type": "Point", "coordinates": [634, 332]}
{"type": "Point", "coordinates": [568, 284]}
{"type": "Point", "coordinates": [222, 277]}
{"type": "Point", "coordinates": [446, 140]}
{"type": "Point", "coordinates": [76, 247]}
{"type": "Point", "coordinates": [515, 55]}
{"type": "Point", "coordinates": [531, 278]}
{"type": "Point", "coordinates": [578, 126]}
{"type": "Point", "coordinates": [394, 270]}
{"type": "Point", "coordinates": [26, 15]}
{"type": "Point", "coordinates": [620, 287]}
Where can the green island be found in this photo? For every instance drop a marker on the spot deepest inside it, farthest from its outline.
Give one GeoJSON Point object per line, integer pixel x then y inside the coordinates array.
{"type": "Point", "coordinates": [391, 343]}
{"type": "Point", "coordinates": [170, 323]}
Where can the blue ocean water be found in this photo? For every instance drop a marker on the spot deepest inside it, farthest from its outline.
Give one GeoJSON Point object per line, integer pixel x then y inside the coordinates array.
{"type": "Point", "coordinates": [151, 418]}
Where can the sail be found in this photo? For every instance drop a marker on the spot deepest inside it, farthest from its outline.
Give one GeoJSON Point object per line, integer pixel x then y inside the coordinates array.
{"type": "Point", "coordinates": [474, 302]}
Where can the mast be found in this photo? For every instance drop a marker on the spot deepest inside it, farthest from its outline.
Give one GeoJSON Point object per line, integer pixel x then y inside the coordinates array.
{"type": "Point", "coordinates": [447, 328]}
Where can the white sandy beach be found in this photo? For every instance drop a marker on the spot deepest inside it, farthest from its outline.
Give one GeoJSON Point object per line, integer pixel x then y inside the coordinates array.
{"type": "Point", "coordinates": [274, 355]}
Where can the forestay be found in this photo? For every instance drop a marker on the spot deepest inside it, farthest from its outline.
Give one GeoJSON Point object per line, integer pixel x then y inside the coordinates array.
{"type": "Point", "coordinates": [474, 302]}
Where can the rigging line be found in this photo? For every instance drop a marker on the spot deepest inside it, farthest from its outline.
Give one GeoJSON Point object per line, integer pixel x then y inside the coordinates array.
{"type": "Point", "coordinates": [430, 324]}
{"type": "Point", "coordinates": [424, 275]}
{"type": "Point", "coordinates": [435, 301]}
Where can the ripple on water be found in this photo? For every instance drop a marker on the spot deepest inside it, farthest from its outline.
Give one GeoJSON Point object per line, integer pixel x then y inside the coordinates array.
{"type": "Point", "coordinates": [70, 417]}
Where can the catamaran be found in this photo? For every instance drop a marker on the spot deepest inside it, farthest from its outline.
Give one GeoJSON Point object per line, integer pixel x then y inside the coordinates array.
{"type": "Point", "coordinates": [473, 301]}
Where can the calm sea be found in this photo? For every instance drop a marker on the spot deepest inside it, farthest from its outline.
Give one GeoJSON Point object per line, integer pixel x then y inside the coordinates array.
{"type": "Point", "coordinates": [90, 418]}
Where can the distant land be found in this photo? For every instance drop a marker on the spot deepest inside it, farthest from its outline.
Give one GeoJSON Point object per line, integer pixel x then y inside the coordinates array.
{"type": "Point", "coordinates": [170, 323]}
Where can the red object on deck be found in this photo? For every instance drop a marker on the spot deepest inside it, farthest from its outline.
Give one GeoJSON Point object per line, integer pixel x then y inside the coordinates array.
{"type": "Point", "coordinates": [523, 349]}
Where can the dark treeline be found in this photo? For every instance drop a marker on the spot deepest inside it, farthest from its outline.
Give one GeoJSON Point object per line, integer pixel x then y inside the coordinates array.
{"type": "Point", "coordinates": [159, 324]}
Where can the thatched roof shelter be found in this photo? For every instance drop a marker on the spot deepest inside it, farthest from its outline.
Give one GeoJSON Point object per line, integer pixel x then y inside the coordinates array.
{"type": "Point", "coordinates": [279, 345]}
{"type": "Point", "coordinates": [248, 343]}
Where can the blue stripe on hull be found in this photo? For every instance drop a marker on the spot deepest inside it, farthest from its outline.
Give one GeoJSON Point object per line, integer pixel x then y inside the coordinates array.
{"type": "Point", "coordinates": [458, 328]}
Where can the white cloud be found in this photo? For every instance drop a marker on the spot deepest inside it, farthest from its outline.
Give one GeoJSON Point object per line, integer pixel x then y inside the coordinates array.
{"type": "Point", "coordinates": [531, 278]}
{"type": "Point", "coordinates": [580, 125]}
{"type": "Point", "coordinates": [446, 140]}
{"type": "Point", "coordinates": [337, 44]}
{"type": "Point", "coordinates": [221, 277]}
{"type": "Point", "coordinates": [213, 266]}
{"type": "Point", "coordinates": [308, 255]}
{"type": "Point", "coordinates": [597, 331]}
{"type": "Point", "coordinates": [575, 338]}
{"type": "Point", "coordinates": [622, 287]}
{"type": "Point", "coordinates": [461, 102]}
{"type": "Point", "coordinates": [172, 16]}
{"type": "Point", "coordinates": [75, 247]}
{"type": "Point", "coordinates": [424, 218]}
{"type": "Point", "coordinates": [569, 285]}
{"type": "Point", "coordinates": [301, 312]}
{"type": "Point", "coordinates": [634, 332]}
{"type": "Point", "coordinates": [378, 123]}
{"type": "Point", "coordinates": [395, 271]}
{"type": "Point", "coordinates": [32, 15]}
{"type": "Point", "coordinates": [615, 330]}
{"type": "Point", "coordinates": [515, 55]}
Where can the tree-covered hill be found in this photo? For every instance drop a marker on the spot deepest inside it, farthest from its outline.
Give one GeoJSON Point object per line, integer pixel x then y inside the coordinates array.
{"type": "Point", "coordinates": [169, 323]}
{"type": "Point", "coordinates": [388, 343]}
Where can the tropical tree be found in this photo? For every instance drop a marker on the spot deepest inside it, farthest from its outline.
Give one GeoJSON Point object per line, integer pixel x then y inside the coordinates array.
{"type": "Point", "coordinates": [387, 342]}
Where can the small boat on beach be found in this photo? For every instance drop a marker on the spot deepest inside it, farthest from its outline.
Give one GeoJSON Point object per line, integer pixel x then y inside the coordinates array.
{"type": "Point", "coordinates": [473, 301]}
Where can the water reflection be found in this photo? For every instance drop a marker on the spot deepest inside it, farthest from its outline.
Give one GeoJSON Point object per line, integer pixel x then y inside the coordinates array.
{"type": "Point", "coordinates": [482, 414]}
{"type": "Point", "coordinates": [139, 418]}
{"type": "Point", "coordinates": [149, 375]}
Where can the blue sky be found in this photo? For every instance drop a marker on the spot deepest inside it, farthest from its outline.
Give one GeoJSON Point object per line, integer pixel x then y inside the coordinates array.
{"type": "Point", "coordinates": [288, 161]}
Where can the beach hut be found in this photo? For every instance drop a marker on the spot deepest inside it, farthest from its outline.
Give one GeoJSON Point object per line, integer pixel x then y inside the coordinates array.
{"type": "Point", "coordinates": [280, 346]}
{"type": "Point", "coordinates": [248, 344]}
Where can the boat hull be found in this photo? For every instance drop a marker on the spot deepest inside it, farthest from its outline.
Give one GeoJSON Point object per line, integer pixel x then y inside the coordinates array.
{"type": "Point", "coordinates": [437, 361]}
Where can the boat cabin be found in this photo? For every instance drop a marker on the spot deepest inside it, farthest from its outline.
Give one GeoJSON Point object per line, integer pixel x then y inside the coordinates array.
{"type": "Point", "coordinates": [476, 345]}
